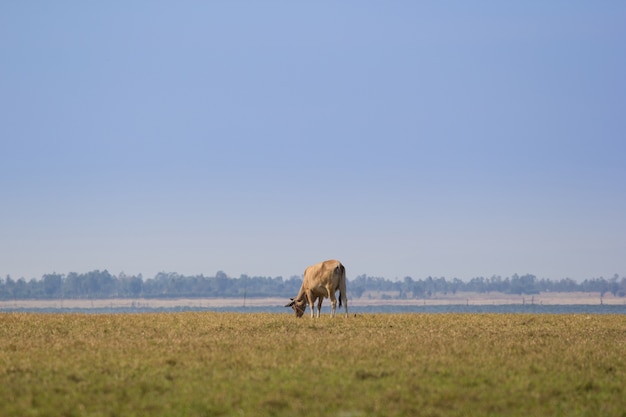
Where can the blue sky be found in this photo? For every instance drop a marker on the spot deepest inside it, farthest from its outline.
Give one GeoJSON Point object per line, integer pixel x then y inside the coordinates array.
{"type": "Point", "coordinates": [455, 139]}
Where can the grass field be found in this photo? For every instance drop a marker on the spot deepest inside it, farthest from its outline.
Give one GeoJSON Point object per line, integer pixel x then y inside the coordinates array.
{"type": "Point", "coordinates": [208, 364]}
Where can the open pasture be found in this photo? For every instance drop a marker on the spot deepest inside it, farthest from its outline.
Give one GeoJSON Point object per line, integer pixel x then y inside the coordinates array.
{"type": "Point", "coordinates": [208, 364]}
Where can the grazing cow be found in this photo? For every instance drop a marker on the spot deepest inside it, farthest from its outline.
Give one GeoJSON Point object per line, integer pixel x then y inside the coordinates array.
{"type": "Point", "coordinates": [321, 281]}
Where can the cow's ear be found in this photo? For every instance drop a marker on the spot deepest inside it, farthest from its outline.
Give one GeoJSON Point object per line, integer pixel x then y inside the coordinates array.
{"type": "Point", "coordinates": [290, 304]}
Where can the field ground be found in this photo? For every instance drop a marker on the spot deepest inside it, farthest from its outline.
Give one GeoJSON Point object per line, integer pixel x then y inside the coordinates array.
{"type": "Point", "coordinates": [260, 364]}
{"type": "Point", "coordinates": [369, 299]}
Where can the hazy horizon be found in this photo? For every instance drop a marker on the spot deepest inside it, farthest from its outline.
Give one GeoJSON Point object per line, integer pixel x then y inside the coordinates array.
{"type": "Point", "coordinates": [404, 139]}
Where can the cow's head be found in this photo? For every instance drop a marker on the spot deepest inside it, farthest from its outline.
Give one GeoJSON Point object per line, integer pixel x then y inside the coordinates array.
{"type": "Point", "coordinates": [298, 306]}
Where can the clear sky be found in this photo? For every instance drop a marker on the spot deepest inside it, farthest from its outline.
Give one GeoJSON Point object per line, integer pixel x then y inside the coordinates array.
{"type": "Point", "coordinates": [405, 138]}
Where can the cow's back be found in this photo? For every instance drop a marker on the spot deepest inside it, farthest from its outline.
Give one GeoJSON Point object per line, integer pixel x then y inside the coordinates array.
{"type": "Point", "coordinates": [323, 274]}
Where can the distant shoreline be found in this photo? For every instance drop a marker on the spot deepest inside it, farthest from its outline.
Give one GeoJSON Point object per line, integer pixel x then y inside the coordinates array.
{"type": "Point", "coordinates": [546, 298]}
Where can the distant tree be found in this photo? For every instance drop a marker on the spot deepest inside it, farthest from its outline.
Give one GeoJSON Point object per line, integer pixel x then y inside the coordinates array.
{"type": "Point", "coordinates": [73, 286]}
{"type": "Point", "coordinates": [562, 285]}
{"type": "Point", "coordinates": [100, 284]}
{"type": "Point", "coordinates": [456, 285]}
{"type": "Point", "coordinates": [614, 285]}
{"type": "Point", "coordinates": [497, 284]}
{"type": "Point", "coordinates": [7, 289]}
{"type": "Point", "coordinates": [596, 285]}
{"type": "Point", "coordinates": [477, 284]}
{"type": "Point", "coordinates": [621, 292]}
{"type": "Point", "coordinates": [221, 282]}
{"type": "Point", "coordinates": [407, 287]}
{"type": "Point", "coordinates": [526, 284]}
{"type": "Point", "coordinates": [356, 290]}
{"type": "Point", "coordinates": [129, 286]}
{"type": "Point", "coordinates": [53, 285]}
{"type": "Point", "coordinates": [21, 289]}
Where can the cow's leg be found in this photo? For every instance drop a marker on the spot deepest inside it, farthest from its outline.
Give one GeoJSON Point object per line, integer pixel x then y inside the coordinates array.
{"type": "Point", "coordinates": [311, 301]}
{"type": "Point", "coordinates": [333, 303]}
{"type": "Point", "coordinates": [319, 306]}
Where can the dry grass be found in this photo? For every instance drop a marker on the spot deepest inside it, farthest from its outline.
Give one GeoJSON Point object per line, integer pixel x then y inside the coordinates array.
{"type": "Point", "coordinates": [205, 364]}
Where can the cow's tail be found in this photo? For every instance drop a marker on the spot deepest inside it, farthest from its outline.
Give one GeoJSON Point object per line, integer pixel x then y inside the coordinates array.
{"type": "Point", "coordinates": [343, 297]}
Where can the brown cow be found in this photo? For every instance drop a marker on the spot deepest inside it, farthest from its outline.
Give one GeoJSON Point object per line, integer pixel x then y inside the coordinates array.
{"type": "Point", "coordinates": [321, 281]}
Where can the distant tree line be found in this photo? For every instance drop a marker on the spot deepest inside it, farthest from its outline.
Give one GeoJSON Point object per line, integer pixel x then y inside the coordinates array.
{"type": "Point", "coordinates": [102, 284]}
{"type": "Point", "coordinates": [516, 284]}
